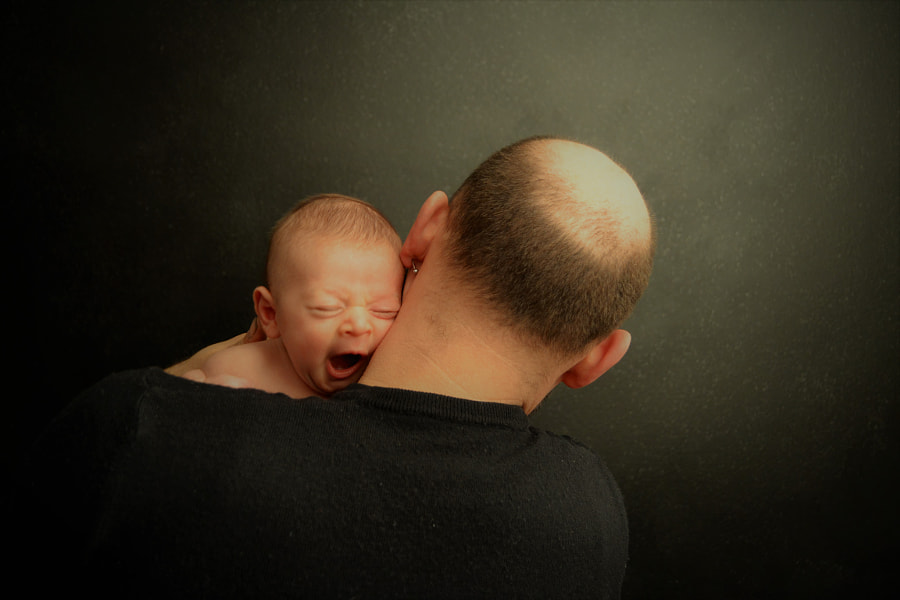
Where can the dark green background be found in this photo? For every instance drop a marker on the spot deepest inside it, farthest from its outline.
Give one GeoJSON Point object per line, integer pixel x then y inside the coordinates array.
{"type": "Point", "coordinates": [753, 425]}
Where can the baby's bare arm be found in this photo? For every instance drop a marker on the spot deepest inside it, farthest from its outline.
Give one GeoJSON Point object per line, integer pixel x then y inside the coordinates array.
{"type": "Point", "coordinates": [238, 366]}
{"type": "Point", "coordinates": [217, 379]}
{"type": "Point", "coordinates": [261, 365]}
{"type": "Point", "coordinates": [195, 363]}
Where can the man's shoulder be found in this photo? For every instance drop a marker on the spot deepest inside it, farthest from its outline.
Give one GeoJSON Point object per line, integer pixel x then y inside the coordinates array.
{"type": "Point", "coordinates": [123, 384]}
{"type": "Point", "coordinates": [572, 456]}
{"type": "Point", "coordinates": [133, 387]}
{"type": "Point", "coordinates": [564, 446]}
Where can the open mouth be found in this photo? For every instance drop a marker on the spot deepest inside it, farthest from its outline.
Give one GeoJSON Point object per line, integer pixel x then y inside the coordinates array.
{"type": "Point", "coordinates": [342, 366]}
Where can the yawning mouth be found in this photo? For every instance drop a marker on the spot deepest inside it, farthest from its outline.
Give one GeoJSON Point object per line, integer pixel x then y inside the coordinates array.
{"type": "Point", "coordinates": [344, 365]}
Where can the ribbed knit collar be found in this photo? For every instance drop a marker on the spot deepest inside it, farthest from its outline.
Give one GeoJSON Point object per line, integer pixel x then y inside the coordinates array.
{"type": "Point", "coordinates": [435, 405]}
{"type": "Point", "coordinates": [396, 400]}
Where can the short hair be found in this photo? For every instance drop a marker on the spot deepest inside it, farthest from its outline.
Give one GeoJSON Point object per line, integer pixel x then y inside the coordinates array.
{"type": "Point", "coordinates": [329, 214]}
{"type": "Point", "coordinates": [566, 286]}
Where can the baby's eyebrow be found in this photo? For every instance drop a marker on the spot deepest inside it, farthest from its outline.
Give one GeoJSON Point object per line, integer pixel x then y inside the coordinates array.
{"type": "Point", "coordinates": [319, 293]}
{"type": "Point", "coordinates": [321, 297]}
{"type": "Point", "coordinates": [395, 299]}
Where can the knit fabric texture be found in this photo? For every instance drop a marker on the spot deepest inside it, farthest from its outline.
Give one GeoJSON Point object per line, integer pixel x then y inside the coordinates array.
{"type": "Point", "coordinates": [150, 486]}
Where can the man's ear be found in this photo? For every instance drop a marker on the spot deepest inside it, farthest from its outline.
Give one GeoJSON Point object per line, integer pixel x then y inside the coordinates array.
{"type": "Point", "coordinates": [599, 360]}
{"type": "Point", "coordinates": [430, 220]}
{"type": "Point", "coordinates": [264, 305]}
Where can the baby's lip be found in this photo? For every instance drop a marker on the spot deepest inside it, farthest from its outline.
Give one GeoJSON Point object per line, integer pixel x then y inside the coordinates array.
{"type": "Point", "coordinates": [345, 365]}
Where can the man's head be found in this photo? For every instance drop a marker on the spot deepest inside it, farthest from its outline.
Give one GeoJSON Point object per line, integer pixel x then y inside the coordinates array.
{"type": "Point", "coordinates": [334, 280]}
{"type": "Point", "coordinates": [523, 277]}
{"type": "Point", "coordinates": [556, 237]}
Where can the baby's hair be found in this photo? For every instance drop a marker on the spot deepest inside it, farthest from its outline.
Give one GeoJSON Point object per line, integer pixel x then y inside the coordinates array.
{"type": "Point", "coordinates": [334, 215]}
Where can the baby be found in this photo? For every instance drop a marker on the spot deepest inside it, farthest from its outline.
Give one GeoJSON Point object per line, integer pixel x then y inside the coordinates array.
{"type": "Point", "coordinates": [334, 282]}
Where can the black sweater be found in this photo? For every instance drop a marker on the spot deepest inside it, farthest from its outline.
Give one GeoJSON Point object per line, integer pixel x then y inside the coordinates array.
{"type": "Point", "coordinates": [153, 486]}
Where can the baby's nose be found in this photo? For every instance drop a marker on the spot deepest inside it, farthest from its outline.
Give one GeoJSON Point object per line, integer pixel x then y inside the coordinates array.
{"type": "Point", "coordinates": [357, 322]}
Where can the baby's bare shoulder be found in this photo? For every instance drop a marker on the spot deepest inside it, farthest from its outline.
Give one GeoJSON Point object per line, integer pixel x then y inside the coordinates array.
{"type": "Point", "coordinates": [242, 360]}
{"type": "Point", "coordinates": [237, 366]}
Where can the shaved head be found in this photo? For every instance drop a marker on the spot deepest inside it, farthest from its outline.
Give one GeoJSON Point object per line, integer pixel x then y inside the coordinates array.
{"type": "Point", "coordinates": [601, 190]}
{"type": "Point", "coordinates": [555, 237]}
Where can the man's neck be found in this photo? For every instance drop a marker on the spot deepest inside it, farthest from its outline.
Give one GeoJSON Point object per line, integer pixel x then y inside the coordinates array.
{"type": "Point", "coordinates": [471, 362]}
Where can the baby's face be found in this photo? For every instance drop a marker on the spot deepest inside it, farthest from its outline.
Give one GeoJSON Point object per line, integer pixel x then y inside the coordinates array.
{"type": "Point", "coordinates": [337, 302]}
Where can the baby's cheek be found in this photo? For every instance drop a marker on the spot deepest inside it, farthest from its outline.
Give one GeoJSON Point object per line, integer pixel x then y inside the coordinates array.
{"type": "Point", "coordinates": [382, 330]}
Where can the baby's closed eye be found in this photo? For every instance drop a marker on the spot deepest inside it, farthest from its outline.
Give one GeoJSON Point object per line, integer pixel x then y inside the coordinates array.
{"type": "Point", "coordinates": [326, 311]}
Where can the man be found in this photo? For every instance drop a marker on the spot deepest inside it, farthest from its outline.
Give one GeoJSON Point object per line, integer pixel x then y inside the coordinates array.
{"type": "Point", "coordinates": [424, 481]}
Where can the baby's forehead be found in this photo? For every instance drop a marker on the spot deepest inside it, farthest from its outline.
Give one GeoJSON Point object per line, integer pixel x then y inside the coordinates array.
{"type": "Point", "coordinates": [310, 247]}
{"type": "Point", "coordinates": [307, 261]}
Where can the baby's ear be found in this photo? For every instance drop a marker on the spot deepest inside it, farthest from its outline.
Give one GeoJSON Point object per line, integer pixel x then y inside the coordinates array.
{"type": "Point", "coordinates": [264, 305]}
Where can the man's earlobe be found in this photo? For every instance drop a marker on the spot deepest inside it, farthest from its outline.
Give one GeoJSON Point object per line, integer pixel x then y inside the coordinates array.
{"type": "Point", "coordinates": [264, 305]}
{"type": "Point", "coordinates": [601, 358]}
{"type": "Point", "coordinates": [429, 222]}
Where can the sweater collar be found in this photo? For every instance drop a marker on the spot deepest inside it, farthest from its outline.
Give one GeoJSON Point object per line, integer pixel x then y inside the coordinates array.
{"type": "Point", "coordinates": [436, 405]}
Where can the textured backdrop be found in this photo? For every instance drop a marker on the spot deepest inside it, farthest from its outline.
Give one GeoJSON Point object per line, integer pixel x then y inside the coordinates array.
{"type": "Point", "coordinates": [753, 427]}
